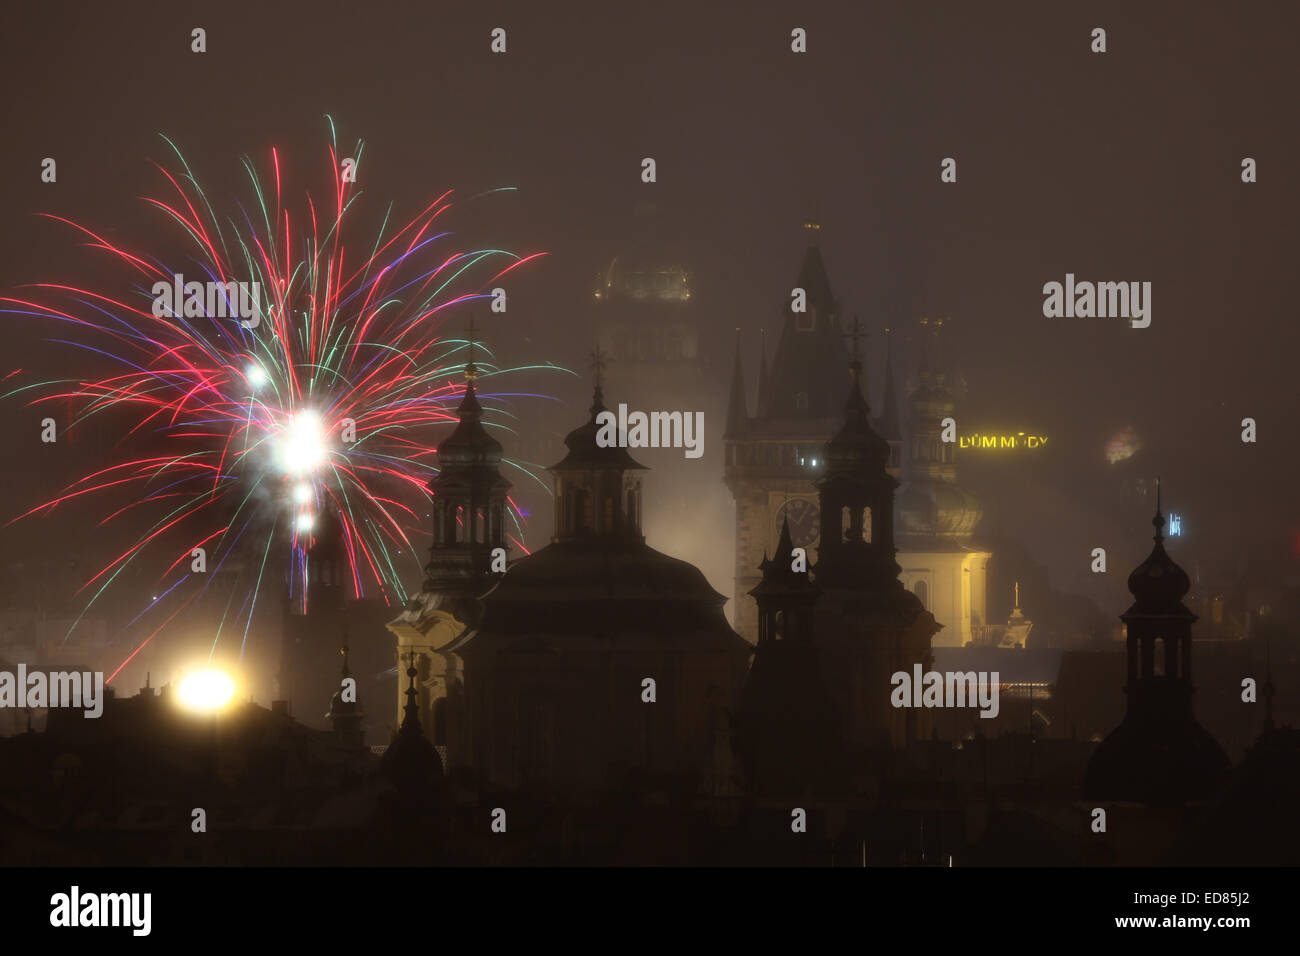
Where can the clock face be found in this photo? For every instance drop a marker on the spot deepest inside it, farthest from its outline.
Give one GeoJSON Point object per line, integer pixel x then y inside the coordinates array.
{"type": "Point", "coordinates": [805, 521]}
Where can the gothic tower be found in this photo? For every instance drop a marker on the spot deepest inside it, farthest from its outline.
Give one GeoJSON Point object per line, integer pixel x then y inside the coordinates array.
{"type": "Point", "coordinates": [470, 511]}
{"type": "Point", "coordinates": [774, 457]}
{"type": "Point", "coordinates": [1159, 755]}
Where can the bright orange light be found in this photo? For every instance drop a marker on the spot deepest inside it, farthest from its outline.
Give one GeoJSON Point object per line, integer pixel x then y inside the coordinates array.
{"type": "Point", "coordinates": [206, 690]}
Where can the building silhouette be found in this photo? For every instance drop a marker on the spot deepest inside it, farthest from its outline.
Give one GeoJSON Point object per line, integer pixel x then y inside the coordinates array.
{"type": "Point", "coordinates": [1159, 755]}
{"type": "Point", "coordinates": [867, 625]}
{"type": "Point", "coordinates": [774, 460]}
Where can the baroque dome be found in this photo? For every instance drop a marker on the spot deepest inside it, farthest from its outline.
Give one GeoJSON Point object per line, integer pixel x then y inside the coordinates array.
{"type": "Point", "coordinates": [937, 508]}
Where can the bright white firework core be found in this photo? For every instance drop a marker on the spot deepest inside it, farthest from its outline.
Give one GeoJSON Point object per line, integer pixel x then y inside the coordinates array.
{"type": "Point", "coordinates": [305, 523]}
{"type": "Point", "coordinates": [302, 493]}
{"type": "Point", "coordinates": [206, 690]}
{"type": "Point", "coordinates": [301, 446]}
{"type": "Point", "coordinates": [256, 376]}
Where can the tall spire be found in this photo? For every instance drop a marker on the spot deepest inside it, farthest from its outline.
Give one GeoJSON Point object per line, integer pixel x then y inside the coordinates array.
{"type": "Point", "coordinates": [737, 404]}
{"type": "Point", "coordinates": [411, 712]}
{"type": "Point", "coordinates": [762, 371]}
{"type": "Point", "coordinates": [411, 762]}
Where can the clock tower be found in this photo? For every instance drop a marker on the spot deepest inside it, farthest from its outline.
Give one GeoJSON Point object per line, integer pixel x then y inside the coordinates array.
{"type": "Point", "coordinates": [775, 456]}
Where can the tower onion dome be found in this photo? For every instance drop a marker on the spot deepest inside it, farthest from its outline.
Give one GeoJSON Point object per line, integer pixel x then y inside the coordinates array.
{"type": "Point", "coordinates": [856, 447]}
{"type": "Point", "coordinates": [937, 508]}
{"type": "Point", "coordinates": [469, 445]}
{"type": "Point", "coordinates": [1158, 584]}
{"type": "Point", "coordinates": [585, 452]}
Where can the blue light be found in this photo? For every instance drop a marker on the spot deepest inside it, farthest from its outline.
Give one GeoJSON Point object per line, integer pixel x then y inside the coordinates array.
{"type": "Point", "coordinates": [1175, 525]}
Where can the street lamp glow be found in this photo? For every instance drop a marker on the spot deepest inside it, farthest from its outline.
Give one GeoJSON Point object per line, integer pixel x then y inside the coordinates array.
{"type": "Point", "coordinates": [206, 690]}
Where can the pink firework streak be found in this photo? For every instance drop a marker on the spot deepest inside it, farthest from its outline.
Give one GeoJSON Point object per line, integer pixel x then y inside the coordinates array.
{"type": "Point", "coordinates": [259, 414]}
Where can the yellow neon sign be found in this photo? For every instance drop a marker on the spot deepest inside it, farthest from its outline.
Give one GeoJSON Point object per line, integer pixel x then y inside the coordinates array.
{"type": "Point", "coordinates": [1016, 441]}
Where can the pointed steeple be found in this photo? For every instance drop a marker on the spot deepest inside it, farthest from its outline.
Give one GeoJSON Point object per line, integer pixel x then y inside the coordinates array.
{"type": "Point", "coordinates": [411, 762]}
{"type": "Point", "coordinates": [785, 703]}
{"type": "Point", "coordinates": [737, 403]}
{"type": "Point", "coordinates": [803, 383]}
{"type": "Point", "coordinates": [345, 715]}
{"type": "Point", "coordinates": [762, 372]}
{"type": "Point", "coordinates": [856, 485]}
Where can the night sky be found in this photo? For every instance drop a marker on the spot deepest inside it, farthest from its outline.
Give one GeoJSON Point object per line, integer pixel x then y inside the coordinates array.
{"type": "Point", "coordinates": [1123, 166]}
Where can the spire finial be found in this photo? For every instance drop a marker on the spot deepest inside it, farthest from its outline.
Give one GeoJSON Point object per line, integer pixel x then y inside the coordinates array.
{"type": "Point", "coordinates": [471, 370]}
{"type": "Point", "coordinates": [1017, 595]}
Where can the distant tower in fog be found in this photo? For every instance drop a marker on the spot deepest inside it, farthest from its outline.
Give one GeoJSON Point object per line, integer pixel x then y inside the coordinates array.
{"type": "Point", "coordinates": [936, 516]}
{"type": "Point", "coordinates": [774, 456]}
{"type": "Point", "coordinates": [314, 618]}
{"type": "Point", "coordinates": [646, 321]}
{"type": "Point", "coordinates": [1159, 755]}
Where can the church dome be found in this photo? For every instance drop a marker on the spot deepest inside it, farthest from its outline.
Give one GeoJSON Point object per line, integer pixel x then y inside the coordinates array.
{"type": "Point", "coordinates": [856, 448]}
{"type": "Point", "coordinates": [585, 452]}
{"type": "Point", "coordinates": [1158, 584]}
{"type": "Point", "coordinates": [937, 508]}
{"type": "Point", "coordinates": [469, 445]}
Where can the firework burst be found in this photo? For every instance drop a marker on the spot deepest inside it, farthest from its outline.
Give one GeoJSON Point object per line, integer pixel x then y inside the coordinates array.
{"type": "Point", "coordinates": [273, 375]}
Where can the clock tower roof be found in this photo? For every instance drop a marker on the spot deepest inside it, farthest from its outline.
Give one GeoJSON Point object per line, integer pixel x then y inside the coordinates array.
{"type": "Point", "coordinates": [810, 354]}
